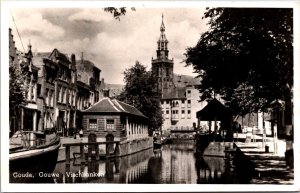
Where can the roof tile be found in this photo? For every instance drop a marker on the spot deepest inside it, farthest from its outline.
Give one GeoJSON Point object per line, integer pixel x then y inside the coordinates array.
{"type": "Point", "coordinates": [113, 106]}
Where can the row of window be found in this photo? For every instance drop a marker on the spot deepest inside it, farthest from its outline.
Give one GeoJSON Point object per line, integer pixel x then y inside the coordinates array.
{"type": "Point", "coordinates": [82, 103]}
{"type": "Point", "coordinates": [63, 74]}
{"type": "Point", "coordinates": [176, 103]}
{"type": "Point", "coordinates": [110, 124]}
{"type": "Point", "coordinates": [175, 114]}
{"type": "Point", "coordinates": [62, 95]}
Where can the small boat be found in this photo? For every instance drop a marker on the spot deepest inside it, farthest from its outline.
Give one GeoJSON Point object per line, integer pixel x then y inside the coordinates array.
{"type": "Point", "coordinates": [32, 154]}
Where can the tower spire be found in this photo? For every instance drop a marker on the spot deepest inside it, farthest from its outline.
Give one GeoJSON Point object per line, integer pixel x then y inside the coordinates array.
{"type": "Point", "coordinates": [162, 27]}
{"type": "Point", "coordinates": [162, 51]}
{"type": "Point", "coordinates": [162, 66]}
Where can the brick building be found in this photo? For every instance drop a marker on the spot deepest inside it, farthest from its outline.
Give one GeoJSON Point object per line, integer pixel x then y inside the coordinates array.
{"type": "Point", "coordinates": [61, 94]}
{"type": "Point", "coordinates": [113, 120]}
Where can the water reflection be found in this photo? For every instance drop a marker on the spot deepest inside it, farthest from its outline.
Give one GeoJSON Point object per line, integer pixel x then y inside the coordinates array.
{"type": "Point", "coordinates": [173, 164]}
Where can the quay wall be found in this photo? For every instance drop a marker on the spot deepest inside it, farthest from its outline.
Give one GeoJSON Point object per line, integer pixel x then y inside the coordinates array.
{"type": "Point", "coordinates": [131, 146]}
{"type": "Point", "coordinates": [126, 147]}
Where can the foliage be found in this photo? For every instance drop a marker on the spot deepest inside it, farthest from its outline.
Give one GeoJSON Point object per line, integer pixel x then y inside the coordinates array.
{"type": "Point", "coordinates": [17, 88]}
{"type": "Point", "coordinates": [139, 91]}
{"type": "Point", "coordinates": [117, 12]}
{"type": "Point", "coordinates": [246, 56]}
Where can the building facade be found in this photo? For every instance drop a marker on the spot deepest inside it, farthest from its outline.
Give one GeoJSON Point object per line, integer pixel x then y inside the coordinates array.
{"type": "Point", "coordinates": [88, 83]}
{"type": "Point", "coordinates": [113, 120]}
{"type": "Point", "coordinates": [64, 92]}
{"type": "Point", "coordinates": [27, 115]}
{"type": "Point", "coordinates": [179, 93]}
{"type": "Point", "coordinates": [56, 90]}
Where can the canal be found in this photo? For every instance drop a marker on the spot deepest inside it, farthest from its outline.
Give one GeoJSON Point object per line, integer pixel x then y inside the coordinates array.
{"type": "Point", "coordinates": [172, 164]}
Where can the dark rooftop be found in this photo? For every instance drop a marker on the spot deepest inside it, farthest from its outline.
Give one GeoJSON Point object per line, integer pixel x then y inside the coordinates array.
{"type": "Point", "coordinates": [174, 93]}
{"type": "Point", "coordinates": [108, 105]}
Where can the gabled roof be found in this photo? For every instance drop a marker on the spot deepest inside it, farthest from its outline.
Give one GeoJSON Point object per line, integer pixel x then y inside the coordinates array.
{"type": "Point", "coordinates": [58, 55]}
{"type": "Point", "coordinates": [107, 105]}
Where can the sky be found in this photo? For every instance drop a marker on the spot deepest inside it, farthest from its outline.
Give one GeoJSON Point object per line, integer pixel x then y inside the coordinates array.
{"type": "Point", "coordinates": [112, 45]}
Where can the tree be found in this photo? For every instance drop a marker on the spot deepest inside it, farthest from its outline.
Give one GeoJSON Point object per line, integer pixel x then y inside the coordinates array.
{"type": "Point", "coordinates": [139, 91]}
{"type": "Point", "coordinates": [246, 56]}
{"type": "Point", "coordinates": [117, 12]}
{"type": "Point", "coordinates": [17, 93]}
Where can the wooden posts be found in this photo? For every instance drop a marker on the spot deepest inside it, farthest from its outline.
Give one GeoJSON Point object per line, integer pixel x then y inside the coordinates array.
{"type": "Point", "coordinates": [96, 153]}
{"type": "Point", "coordinates": [82, 155]}
{"type": "Point", "coordinates": [117, 149]}
{"type": "Point", "coordinates": [67, 155]}
{"type": "Point", "coordinates": [107, 151]}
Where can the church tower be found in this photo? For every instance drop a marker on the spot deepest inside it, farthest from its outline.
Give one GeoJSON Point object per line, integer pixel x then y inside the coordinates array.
{"type": "Point", "coordinates": [162, 66]}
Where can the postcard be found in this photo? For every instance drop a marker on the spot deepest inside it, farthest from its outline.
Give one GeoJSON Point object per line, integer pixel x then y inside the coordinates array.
{"type": "Point", "coordinates": [146, 96]}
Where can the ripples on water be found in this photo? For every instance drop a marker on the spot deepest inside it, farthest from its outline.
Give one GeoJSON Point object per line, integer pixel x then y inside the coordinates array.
{"type": "Point", "coordinates": [173, 164]}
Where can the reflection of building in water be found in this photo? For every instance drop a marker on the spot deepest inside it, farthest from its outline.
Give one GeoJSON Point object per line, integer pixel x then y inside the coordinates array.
{"type": "Point", "coordinates": [134, 168]}
{"type": "Point", "coordinates": [128, 169]}
{"type": "Point", "coordinates": [209, 169]}
{"type": "Point", "coordinates": [174, 164]}
{"type": "Point", "coordinates": [177, 167]}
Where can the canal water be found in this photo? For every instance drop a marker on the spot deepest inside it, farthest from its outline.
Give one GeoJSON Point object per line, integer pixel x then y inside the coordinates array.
{"type": "Point", "coordinates": [172, 164]}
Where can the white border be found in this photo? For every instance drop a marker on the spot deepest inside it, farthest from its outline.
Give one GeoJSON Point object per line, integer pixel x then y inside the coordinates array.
{"type": "Point", "coordinates": [6, 187]}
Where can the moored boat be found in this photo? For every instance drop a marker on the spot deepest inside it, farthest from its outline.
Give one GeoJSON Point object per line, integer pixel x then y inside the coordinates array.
{"type": "Point", "coordinates": [158, 141]}
{"type": "Point", "coordinates": [32, 154]}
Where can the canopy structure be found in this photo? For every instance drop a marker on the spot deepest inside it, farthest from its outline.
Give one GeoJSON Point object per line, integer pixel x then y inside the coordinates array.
{"type": "Point", "coordinates": [213, 111]}
{"type": "Point", "coordinates": [216, 111]}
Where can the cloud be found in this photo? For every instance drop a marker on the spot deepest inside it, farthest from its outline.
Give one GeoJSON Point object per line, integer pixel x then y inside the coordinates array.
{"type": "Point", "coordinates": [91, 15]}
{"type": "Point", "coordinates": [35, 24]}
{"type": "Point", "coordinates": [111, 44]}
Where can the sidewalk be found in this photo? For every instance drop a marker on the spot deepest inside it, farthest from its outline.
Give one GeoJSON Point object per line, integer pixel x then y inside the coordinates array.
{"type": "Point", "coordinates": [270, 168]}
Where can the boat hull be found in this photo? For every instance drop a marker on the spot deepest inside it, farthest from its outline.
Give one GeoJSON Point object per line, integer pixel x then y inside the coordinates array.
{"type": "Point", "coordinates": [33, 165]}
